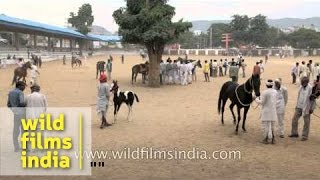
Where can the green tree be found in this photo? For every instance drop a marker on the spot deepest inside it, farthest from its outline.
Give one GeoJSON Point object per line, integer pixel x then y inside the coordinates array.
{"type": "Point", "coordinates": [149, 23]}
{"type": "Point", "coordinates": [258, 30]}
{"type": "Point", "coordinates": [188, 40]}
{"type": "Point", "coordinates": [240, 29]}
{"type": "Point", "coordinates": [217, 30]}
{"type": "Point", "coordinates": [82, 21]}
{"type": "Point", "coordinates": [304, 38]}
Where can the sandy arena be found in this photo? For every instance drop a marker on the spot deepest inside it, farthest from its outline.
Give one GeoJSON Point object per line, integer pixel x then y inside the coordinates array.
{"type": "Point", "coordinates": [181, 117]}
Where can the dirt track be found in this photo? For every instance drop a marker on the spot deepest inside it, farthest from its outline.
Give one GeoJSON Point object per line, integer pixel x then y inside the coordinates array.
{"type": "Point", "coordinates": [182, 117]}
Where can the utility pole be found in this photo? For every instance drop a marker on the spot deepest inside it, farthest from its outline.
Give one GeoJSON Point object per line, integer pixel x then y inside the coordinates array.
{"type": "Point", "coordinates": [211, 38]}
{"type": "Point", "coordinates": [226, 38]}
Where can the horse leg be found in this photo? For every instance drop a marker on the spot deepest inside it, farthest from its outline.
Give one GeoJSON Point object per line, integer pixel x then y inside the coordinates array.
{"type": "Point", "coordinates": [239, 118]}
{"type": "Point", "coordinates": [246, 109]}
{"type": "Point", "coordinates": [129, 112]}
{"type": "Point", "coordinates": [135, 77]}
{"type": "Point", "coordinates": [115, 112]}
{"type": "Point", "coordinates": [222, 110]}
{"type": "Point", "coordinates": [231, 109]}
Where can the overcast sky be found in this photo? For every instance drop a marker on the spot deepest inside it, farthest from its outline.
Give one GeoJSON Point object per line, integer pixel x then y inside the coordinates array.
{"type": "Point", "coordinates": [56, 12]}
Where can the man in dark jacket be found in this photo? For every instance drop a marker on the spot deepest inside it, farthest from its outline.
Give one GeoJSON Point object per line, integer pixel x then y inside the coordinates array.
{"type": "Point", "coordinates": [16, 103]}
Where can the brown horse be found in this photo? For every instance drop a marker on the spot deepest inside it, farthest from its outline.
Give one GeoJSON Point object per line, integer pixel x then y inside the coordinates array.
{"type": "Point", "coordinates": [21, 72]}
{"type": "Point", "coordinates": [76, 61]}
{"type": "Point", "coordinates": [140, 68]}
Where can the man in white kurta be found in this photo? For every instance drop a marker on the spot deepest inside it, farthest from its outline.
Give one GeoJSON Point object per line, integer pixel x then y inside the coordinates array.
{"type": "Point", "coordinates": [189, 74]}
{"type": "Point", "coordinates": [34, 74]}
{"type": "Point", "coordinates": [268, 112]}
{"type": "Point", "coordinates": [281, 102]}
{"type": "Point", "coordinates": [184, 73]}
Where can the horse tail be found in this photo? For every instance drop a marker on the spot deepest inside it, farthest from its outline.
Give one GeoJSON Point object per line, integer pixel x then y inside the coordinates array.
{"type": "Point", "coordinates": [222, 91]}
{"type": "Point", "coordinates": [135, 95]}
{"type": "Point", "coordinates": [14, 80]}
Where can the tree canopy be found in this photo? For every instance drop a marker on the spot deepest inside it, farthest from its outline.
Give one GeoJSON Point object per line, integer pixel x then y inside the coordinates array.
{"type": "Point", "coordinates": [83, 20]}
{"type": "Point", "coordinates": [149, 23]}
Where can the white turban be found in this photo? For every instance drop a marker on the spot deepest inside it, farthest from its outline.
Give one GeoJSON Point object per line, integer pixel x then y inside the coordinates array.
{"type": "Point", "coordinates": [269, 83]}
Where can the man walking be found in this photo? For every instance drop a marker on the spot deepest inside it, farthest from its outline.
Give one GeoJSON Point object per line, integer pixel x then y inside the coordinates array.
{"type": "Point", "coordinates": [16, 104]}
{"type": "Point", "coordinates": [243, 67]}
{"type": "Point", "coordinates": [109, 68]}
{"type": "Point", "coordinates": [233, 72]}
{"type": "Point", "coordinates": [268, 112]}
{"type": "Point", "coordinates": [304, 107]}
{"type": "Point", "coordinates": [206, 71]}
{"type": "Point", "coordinates": [294, 73]}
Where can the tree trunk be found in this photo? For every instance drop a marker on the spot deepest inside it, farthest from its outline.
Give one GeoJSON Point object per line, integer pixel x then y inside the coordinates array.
{"type": "Point", "coordinates": [154, 67]}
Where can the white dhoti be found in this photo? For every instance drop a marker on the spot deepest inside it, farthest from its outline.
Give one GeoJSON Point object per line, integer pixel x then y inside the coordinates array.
{"type": "Point", "coordinates": [267, 129]}
{"type": "Point", "coordinates": [280, 124]}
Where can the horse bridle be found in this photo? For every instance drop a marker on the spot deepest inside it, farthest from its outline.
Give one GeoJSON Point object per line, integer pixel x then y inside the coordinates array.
{"type": "Point", "coordinates": [245, 87]}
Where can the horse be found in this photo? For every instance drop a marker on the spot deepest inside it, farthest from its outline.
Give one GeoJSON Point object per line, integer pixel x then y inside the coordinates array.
{"type": "Point", "coordinates": [21, 72]}
{"type": "Point", "coordinates": [100, 67]}
{"type": "Point", "coordinates": [240, 95]}
{"type": "Point", "coordinates": [76, 61]}
{"type": "Point", "coordinates": [120, 97]}
{"type": "Point", "coordinates": [140, 68]}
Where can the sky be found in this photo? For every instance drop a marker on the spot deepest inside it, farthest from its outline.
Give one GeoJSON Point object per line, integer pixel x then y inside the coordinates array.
{"type": "Point", "coordinates": [56, 12]}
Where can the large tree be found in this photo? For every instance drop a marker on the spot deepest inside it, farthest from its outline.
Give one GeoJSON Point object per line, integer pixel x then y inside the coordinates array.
{"type": "Point", "coordinates": [149, 23]}
{"type": "Point", "coordinates": [304, 38]}
{"type": "Point", "coordinates": [240, 29]}
{"type": "Point", "coordinates": [258, 30]}
{"type": "Point", "coordinates": [82, 21]}
{"type": "Point", "coordinates": [216, 31]}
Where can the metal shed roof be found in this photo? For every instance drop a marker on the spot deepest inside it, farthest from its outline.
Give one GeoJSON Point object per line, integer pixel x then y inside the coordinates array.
{"type": "Point", "coordinates": [105, 38]}
{"type": "Point", "coordinates": [36, 26]}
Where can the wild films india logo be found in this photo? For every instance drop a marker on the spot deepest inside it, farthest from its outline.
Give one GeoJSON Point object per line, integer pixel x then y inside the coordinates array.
{"type": "Point", "coordinates": [47, 143]}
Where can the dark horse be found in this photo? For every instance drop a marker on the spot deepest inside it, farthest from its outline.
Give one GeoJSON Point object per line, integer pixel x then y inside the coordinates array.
{"type": "Point", "coordinates": [240, 95]}
{"type": "Point", "coordinates": [120, 97]}
{"type": "Point", "coordinates": [21, 72]}
{"type": "Point", "coordinates": [100, 67]}
{"type": "Point", "coordinates": [140, 68]}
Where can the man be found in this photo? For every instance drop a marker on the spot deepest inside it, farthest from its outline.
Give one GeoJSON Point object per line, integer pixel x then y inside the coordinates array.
{"type": "Point", "coordinates": [294, 73]}
{"type": "Point", "coordinates": [281, 103]}
{"type": "Point", "coordinates": [122, 59]}
{"type": "Point", "coordinates": [220, 68]}
{"type": "Point", "coordinates": [211, 68]}
{"type": "Point", "coordinates": [215, 68]}
{"type": "Point", "coordinates": [233, 72]}
{"type": "Point", "coordinates": [189, 70]}
{"type": "Point", "coordinates": [311, 70]}
{"type": "Point", "coordinates": [304, 108]}
{"type": "Point", "coordinates": [103, 100]}
{"type": "Point", "coordinates": [266, 58]}
{"type": "Point", "coordinates": [34, 75]}
{"type": "Point", "coordinates": [303, 70]}
{"type": "Point", "coordinates": [268, 112]}
{"type": "Point", "coordinates": [225, 66]}
{"type": "Point", "coordinates": [175, 67]}
{"type": "Point", "coordinates": [256, 69]}
{"type": "Point", "coordinates": [64, 59]}
{"type": "Point", "coordinates": [206, 68]}
{"type": "Point", "coordinates": [36, 104]}
{"type": "Point", "coordinates": [184, 73]}
{"type": "Point", "coordinates": [109, 68]}
{"type": "Point", "coordinates": [16, 104]}
{"type": "Point", "coordinates": [261, 66]}
{"type": "Point", "coordinates": [243, 67]}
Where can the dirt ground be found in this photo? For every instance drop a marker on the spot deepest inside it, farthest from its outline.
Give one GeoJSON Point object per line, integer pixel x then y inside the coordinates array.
{"type": "Point", "coordinates": [181, 117]}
